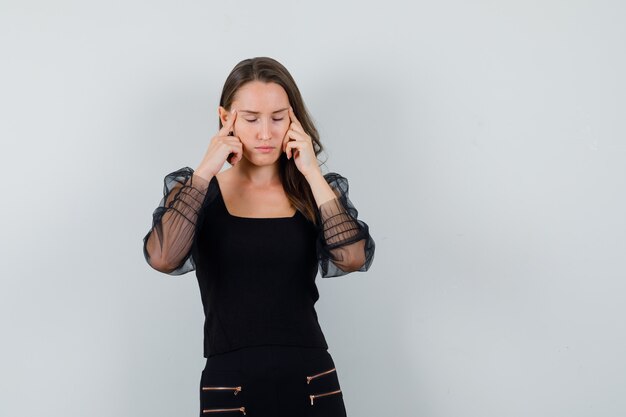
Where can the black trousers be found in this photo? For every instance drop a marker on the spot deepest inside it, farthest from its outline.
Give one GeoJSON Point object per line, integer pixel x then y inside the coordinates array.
{"type": "Point", "coordinates": [271, 381]}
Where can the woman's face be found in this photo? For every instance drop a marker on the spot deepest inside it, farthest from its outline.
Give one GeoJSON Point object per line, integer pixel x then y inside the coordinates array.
{"type": "Point", "coordinates": [262, 120]}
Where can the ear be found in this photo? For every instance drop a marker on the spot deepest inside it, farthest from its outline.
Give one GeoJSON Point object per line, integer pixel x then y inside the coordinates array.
{"type": "Point", "coordinates": [222, 114]}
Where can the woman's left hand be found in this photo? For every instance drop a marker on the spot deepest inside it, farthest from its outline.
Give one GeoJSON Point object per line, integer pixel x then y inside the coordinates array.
{"type": "Point", "coordinates": [298, 143]}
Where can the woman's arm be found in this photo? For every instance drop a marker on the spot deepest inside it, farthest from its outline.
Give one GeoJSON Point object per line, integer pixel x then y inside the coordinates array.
{"type": "Point", "coordinates": [167, 246]}
{"type": "Point", "coordinates": [344, 242]}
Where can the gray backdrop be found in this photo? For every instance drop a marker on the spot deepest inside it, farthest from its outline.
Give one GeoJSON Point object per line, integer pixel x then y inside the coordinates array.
{"type": "Point", "coordinates": [484, 144]}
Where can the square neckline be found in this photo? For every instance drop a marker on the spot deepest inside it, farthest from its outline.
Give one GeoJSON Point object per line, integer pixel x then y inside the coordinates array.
{"type": "Point", "coordinates": [221, 197]}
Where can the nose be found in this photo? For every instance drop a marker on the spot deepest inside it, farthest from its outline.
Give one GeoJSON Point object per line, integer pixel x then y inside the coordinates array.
{"type": "Point", "coordinates": [265, 134]}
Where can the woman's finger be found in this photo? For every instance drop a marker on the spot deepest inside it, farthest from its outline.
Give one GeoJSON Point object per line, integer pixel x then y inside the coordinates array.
{"type": "Point", "coordinates": [286, 139]}
{"type": "Point", "coordinates": [228, 127]}
{"type": "Point", "coordinates": [296, 145]}
{"type": "Point", "coordinates": [298, 135]}
{"type": "Point", "coordinates": [291, 146]}
{"type": "Point", "coordinates": [289, 135]}
{"type": "Point", "coordinates": [294, 119]}
{"type": "Point", "coordinates": [236, 150]}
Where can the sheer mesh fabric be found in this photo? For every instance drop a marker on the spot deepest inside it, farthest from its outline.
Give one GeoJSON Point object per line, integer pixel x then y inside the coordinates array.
{"type": "Point", "coordinates": [167, 246]}
{"type": "Point", "coordinates": [343, 244]}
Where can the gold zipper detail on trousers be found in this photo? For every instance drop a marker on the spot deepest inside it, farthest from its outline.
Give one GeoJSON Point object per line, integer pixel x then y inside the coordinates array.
{"type": "Point", "coordinates": [218, 410]}
{"type": "Point", "coordinates": [314, 396]}
{"type": "Point", "coordinates": [236, 389]}
{"type": "Point", "coordinates": [309, 378]}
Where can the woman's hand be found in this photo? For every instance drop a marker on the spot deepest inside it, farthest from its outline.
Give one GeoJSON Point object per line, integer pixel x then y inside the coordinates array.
{"type": "Point", "coordinates": [222, 148]}
{"type": "Point", "coordinates": [298, 143]}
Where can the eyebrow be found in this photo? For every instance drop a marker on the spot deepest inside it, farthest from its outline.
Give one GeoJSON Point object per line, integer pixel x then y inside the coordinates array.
{"type": "Point", "coordinates": [258, 112]}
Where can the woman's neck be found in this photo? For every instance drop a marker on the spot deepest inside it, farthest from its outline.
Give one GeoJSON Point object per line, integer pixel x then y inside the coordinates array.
{"type": "Point", "coordinates": [255, 175]}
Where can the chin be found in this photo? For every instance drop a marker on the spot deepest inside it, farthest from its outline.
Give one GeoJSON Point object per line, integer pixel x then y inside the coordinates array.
{"type": "Point", "coordinates": [262, 160]}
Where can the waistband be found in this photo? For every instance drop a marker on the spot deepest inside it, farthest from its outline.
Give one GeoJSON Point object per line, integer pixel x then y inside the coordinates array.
{"type": "Point", "coordinates": [266, 358]}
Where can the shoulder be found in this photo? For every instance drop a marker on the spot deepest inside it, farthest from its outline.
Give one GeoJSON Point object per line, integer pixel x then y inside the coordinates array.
{"type": "Point", "coordinates": [224, 177]}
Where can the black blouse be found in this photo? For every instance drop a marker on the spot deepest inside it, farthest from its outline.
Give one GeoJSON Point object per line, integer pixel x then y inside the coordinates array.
{"type": "Point", "coordinates": [256, 275]}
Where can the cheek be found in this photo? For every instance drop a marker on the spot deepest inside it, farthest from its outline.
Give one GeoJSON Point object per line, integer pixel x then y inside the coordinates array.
{"type": "Point", "coordinates": [281, 128]}
{"type": "Point", "coordinates": [243, 129]}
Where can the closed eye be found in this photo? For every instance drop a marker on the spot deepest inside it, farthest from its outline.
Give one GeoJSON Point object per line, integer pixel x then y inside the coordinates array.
{"type": "Point", "coordinates": [254, 120]}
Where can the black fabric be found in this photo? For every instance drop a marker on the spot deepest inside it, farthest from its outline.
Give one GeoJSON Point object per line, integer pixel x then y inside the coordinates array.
{"type": "Point", "coordinates": [272, 381]}
{"type": "Point", "coordinates": [256, 275]}
{"type": "Point", "coordinates": [174, 222]}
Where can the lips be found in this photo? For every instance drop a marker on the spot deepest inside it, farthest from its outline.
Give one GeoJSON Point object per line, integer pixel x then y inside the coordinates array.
{"type": "Point", "coordinates": [265, 149]}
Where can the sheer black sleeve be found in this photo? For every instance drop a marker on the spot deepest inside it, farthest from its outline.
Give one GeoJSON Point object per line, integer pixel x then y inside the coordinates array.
{"type": "Point", "coordinates": [168, 245]}
{"type": "Point", "coordinates": [344, 243]}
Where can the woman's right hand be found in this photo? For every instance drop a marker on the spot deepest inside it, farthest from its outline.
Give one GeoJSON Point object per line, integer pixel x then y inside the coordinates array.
{"type": "Point", "coordinates": [222, 148]}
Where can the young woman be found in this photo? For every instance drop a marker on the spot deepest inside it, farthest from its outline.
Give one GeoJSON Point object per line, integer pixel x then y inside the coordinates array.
{"type": "Point", "coordinates": [256, 235]}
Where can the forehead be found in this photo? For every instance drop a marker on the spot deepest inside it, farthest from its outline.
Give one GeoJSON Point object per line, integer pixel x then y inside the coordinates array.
{"type": "Point", "coordinates": [260, 96]}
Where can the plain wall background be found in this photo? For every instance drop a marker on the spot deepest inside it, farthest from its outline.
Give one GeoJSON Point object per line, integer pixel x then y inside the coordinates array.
{"type": "Point", "coordinates": [485, 147]}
